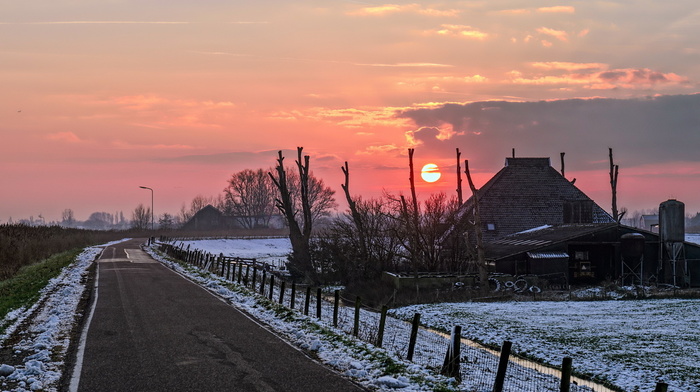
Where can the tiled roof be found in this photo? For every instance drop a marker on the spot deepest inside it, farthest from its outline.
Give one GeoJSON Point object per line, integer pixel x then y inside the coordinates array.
{"type": "Point", "coordinates": [526, 193]}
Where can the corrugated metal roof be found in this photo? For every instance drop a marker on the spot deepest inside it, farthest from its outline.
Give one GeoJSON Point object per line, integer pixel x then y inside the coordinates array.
{"type": "Point", "coordinates": [548, 255]}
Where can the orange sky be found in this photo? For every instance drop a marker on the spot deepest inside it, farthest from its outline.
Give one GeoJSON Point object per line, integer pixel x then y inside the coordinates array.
{"type": "Point", "coordinates": [99, 98]}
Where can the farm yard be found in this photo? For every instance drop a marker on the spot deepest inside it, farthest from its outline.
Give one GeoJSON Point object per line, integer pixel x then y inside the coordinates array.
{"type": "Point", "coordinates": [631, 344]}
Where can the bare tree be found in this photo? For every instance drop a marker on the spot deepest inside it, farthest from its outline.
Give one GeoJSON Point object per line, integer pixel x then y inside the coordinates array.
{"type": "Point", "coordinates": [321, 198]}
{"type": "Point", "coordinates": [299, 234]}
{"type": "Point", "coordinates": [614, 172]}
{"type": "Point", "coordinates": [249, 197]}
{"type": "Point", "coordinates": [481, 256]}
{"type": "Point", "coordinates": [141, 217]}
{"type": "Point", "coordinates": [166, 222]}
{"type": "Point", "coordinates": [460, 200]}
{"type": "Point", "coordinates": [357, 218]}
{"type": "Point", "coordinates": [67, 218]}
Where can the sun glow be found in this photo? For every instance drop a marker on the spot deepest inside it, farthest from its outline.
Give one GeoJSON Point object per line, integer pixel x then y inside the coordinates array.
{"type": "Point", "coordinates": [430, 172]}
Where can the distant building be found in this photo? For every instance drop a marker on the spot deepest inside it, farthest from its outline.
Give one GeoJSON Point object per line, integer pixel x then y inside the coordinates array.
{"type": "Point", "coordinates": [649, 223]}
{"type": "Point", "coordinates": [208, 218]}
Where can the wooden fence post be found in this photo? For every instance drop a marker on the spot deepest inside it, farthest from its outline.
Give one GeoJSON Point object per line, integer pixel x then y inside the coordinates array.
{"type": "Point", "coordinates": [450, 367]}
{"type": "Point", "coordinates": [414, 336]}
{"type": "Point", "coordinates": [255, 273]}
{"type": "Point", "coordinates": [336, 304]}
{"type": "Point", "coordinates": [240, 270]}
{"type": "Point", "coordinates": [318, 303]}
{"type": "Point", "coordinates": [502, 367]}
{"type": "Point", "coordinates": [293, 298]}
{"type": "Point", "coordinates": [262, 283]}
{"type": "Point", "coordinates": [382, 325]}
{"type": "Point", "coordinates": [272, 285]}
{"type": "Point", "coordinates": [565, 375]}
{"type": "Point", "coordinates": [661, 387]}
{"type": "Point", "coordinates": [282, 284]}
{"type": "Point", "coordinates": [356, 325]}
{"type": "Point", "coordinates": [223, 264]}
{"type": "Point", "coordinates": [306, 302]}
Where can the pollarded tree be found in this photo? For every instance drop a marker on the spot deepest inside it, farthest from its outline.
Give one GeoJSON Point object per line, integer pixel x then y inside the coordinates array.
{"type": "Point", "coordinates": [308, 199]}
{"type": "Point", "coordinates": [321, 198]}
{"type": "Point", "coordinates": [250, 198]}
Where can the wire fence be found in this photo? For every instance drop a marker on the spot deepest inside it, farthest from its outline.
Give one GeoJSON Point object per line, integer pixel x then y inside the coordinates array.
{"type": "Point", "coordinates": [478, 368]}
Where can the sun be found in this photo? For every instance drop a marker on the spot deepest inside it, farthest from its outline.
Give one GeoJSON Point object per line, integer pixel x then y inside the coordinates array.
{"type": "Point", "coordinates": [430, 172]}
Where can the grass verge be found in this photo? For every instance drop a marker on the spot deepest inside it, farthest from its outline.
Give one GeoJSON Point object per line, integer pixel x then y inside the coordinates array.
{"type": "Point", "coordinates": [24, 287]}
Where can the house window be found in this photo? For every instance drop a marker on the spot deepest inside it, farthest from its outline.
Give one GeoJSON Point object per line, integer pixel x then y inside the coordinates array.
{"type": "Point", "coordinates": [581, 255]}
{"type": "Point", "coordinates": [491, 226]}
{"type": "Point", "coordinates": [578, 211]}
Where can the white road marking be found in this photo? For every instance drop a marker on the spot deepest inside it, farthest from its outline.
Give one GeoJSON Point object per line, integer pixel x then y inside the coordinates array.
{"type": "Point", "coordinates": [77, 370]}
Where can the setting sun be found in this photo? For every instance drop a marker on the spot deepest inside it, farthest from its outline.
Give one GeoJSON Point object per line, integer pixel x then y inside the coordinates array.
{"type": "Point", "coordinates": [430, 173]}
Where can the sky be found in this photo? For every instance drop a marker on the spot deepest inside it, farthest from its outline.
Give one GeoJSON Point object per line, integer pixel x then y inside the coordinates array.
{"type": "Point", "coordinates": [98, 98]}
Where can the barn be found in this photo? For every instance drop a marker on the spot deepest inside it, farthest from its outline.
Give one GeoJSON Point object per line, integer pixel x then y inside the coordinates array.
{"type": "Point", "coordinates": [536, 222]}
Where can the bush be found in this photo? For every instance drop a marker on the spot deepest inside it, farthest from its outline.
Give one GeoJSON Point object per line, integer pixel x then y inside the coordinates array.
{"type": "Point", "coordinates": [22, 245]}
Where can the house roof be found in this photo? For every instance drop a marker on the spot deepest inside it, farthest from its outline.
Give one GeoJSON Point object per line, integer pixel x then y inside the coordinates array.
{"type": "Point", "coordinates": [526, 193]}
{"type": "Point", "coordinates": [532, 240]}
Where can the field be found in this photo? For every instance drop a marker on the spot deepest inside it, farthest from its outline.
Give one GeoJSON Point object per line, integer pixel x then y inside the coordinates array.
{"type": "Point", "coordinates": [633, 344]}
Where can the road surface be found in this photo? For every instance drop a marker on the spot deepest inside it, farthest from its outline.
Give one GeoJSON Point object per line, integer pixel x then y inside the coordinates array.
{"type": "Point", "coordinates": [153, 330]}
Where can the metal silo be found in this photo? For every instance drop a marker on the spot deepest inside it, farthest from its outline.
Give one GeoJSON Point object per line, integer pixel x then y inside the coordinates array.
{"type": "Point", "coordinates": [672, 237]}
{"type": "Point", "coordinates": [672, 221]}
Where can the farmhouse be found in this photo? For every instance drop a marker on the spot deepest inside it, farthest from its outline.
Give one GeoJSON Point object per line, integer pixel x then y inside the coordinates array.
{"type": "Point", "coordinates": [208, 218]}
{"type": "Point", "coordinates": [536, 222]}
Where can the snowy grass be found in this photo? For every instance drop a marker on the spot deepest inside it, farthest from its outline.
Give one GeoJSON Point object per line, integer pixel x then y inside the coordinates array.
{"type": "Point", "coordinates": [632, 344]}
{"type": "Point", "coordinates": [374, 368]}
{"type": "Point", "coordinates": [23, 288]}
{"type": "Point", "coordinates": [44, 328]}
{"type": "Point", "coordinates": [271, 250]}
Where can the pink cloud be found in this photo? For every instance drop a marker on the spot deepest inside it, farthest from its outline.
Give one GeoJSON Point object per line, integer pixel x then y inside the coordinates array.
{"type": "Point", "coordinates": [387, 9]}
{"type": "Point", "coordinates": [560, 9]}
{"type": "Point", "coordinates": [69, 137]}
{"type": "Point", "coordinates": [599, 79]}
{"type": "Point", "coordinates": [459, 31]}
{"type": "Point", "coordinates": [558, 34]}
{"type": "Point", "coordinates": [568, 66]}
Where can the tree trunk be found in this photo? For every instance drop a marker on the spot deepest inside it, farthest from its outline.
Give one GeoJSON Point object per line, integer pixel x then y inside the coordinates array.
{"type": "Point", "coordinates": [481, 257]}
{"type": "Point", "coordinates": [356, 217]}
{"type": "Point", "coordinates": [301, 255]}
{"type": "Point", "coordinates": [614, 171]}
{"type": "Point", "coordinates": [459, 179]}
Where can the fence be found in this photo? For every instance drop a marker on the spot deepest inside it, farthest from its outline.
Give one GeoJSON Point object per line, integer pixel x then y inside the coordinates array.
{"type": "Point", "coordinates": [475, 367]}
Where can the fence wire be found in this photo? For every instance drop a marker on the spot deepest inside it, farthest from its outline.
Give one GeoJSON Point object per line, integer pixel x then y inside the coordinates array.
{"type": "Point", "coordinates": [478, 365]}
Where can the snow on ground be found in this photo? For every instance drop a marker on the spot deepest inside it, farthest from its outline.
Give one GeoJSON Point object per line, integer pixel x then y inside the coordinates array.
{"type": "Point", "coordinates": [44, 342]}
{"type": "Point", "coordinates": [633, 344]}
{"type": "Point", "coordinates": [360, 361]}
{"type": "Point", "coordinates": [272, 250]}
{"type": "Point", "coordinates": [694, 238]}
{"type": "Point", "coordinates": [43, 348]}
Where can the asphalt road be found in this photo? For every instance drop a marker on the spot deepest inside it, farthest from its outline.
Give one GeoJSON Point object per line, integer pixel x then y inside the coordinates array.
{"type": "Point", "coordinates": [153, 330]}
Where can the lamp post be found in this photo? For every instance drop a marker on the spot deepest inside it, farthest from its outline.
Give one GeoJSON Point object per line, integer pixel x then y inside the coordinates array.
{"type": "Point", "coordinates": [152, 212]}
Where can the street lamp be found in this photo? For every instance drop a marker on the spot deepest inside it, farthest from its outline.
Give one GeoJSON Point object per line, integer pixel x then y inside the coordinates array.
{"type": "Point", "coordinates": [152, 212]}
